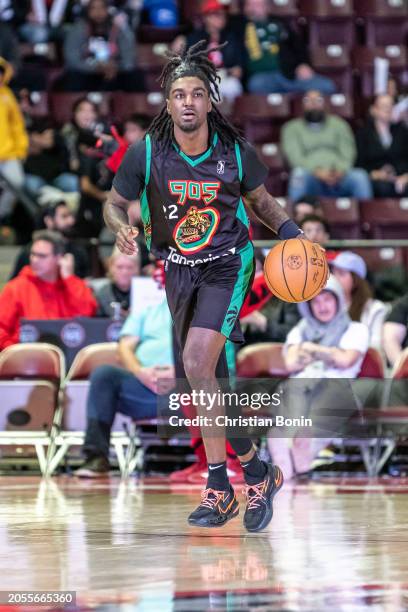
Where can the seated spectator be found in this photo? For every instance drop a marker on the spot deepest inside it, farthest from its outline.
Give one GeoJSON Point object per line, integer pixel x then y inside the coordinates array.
{"type": "Point", "coordinates": [383, 150]}
{"type": "Point", "coordinates": [350, 270]}
{"type": "Point", "coordinates": [79, 133]}
{"type": "Point", "coordinates": [321, 151]}
{"type": "Point", "coordinates": [57, 217]}
{"type": "Point", "coordinates": [277, 58]}
{"type": "Point", "coordinates": [44, 20]}
{"type": "Point", "coordinates": [216, 31]}
{"type": "Point", "coordinates": [325, 344]}
{"type": "Point", "coordinates": [13, 143]}
{"type": "Point", "coordinates": [307, 205]}
{"type": "Point", "coordinates": [47, 162]}
{"type": "Point", "coordinates": [395, 336]}
{"type": "Point", "coordinates": [116, 288]}
{"type": "Point", "coordinates": [316, 229]}
{"type": "Point", "coordinates": [271, 324]}
{"type": "Point", "coordinates": [100, 54]}
{"type": "Point", "coordinates": [146, 353]}
{"type": "Point", "coordinates": [46, 289]}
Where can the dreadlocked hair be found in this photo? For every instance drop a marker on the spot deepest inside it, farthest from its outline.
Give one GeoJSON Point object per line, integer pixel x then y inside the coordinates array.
{"type": "Point", "coordinates": [193, 61]}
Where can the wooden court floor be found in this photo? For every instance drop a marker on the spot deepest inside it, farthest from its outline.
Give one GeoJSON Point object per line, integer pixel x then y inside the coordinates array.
{"type": "Point", "coordinates": [334, 545]}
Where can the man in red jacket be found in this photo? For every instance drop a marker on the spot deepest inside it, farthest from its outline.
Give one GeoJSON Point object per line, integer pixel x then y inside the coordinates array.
{"type": "Point", "coordinates": [46, 289]}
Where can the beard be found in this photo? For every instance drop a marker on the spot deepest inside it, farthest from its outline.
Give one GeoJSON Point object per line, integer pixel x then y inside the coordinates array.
{"type": "Point", "coordinates": [189, 127]}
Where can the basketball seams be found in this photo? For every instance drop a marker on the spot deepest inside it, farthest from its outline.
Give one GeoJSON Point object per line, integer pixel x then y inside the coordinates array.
{"type": "Point", "coordinates": [273, 290]}
{"type": "Point", "coordinates": [283, 270]}
{"type": "Point", "coordinates": [307, 270]}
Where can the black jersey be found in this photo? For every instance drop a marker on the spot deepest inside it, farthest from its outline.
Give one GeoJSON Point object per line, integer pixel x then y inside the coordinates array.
{"type": "Point", "coordinates": [192, 209]}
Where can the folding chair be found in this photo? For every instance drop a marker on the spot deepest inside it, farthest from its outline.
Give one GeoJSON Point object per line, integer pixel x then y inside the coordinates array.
{"type": "Point", "coordinates": [70, 418]}
{"type": "Point", "coordinates": [30, 378]}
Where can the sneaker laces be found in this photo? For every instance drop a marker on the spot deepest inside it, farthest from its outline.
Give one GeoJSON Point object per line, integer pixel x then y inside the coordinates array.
{"type": "Point", "coordinates": [254, 494]}
{"type": "Point", "coordinates": [211, 502]}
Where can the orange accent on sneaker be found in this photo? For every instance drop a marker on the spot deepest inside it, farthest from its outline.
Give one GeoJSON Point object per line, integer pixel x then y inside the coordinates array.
{"type": "Point", "coordinates": [257, 495]}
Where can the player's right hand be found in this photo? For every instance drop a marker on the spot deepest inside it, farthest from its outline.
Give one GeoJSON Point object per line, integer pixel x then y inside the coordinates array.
{"type": "Point", "coordinates": [125, 240]}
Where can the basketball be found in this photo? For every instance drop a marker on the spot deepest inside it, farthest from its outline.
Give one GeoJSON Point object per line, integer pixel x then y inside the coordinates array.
{"type": "Point", "coordinates": [296, 270]}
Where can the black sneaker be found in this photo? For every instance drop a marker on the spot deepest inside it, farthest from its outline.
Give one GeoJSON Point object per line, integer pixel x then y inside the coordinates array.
{"type": "Point", "coordinates": [95, 467]}
{"type": "Point", "coordinates": [259, 510]}
{"type": "Point", "coordinates": [216, 508]}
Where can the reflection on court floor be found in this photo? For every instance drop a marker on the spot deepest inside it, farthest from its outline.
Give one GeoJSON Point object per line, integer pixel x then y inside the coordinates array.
{"type": "Point", "coordinates": [333, 545]}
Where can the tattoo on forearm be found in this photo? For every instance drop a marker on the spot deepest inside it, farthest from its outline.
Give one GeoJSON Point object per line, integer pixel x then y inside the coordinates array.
{"type": "Point", "coordinates": [266, 208]}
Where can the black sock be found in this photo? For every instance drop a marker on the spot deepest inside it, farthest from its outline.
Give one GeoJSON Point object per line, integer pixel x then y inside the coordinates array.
{"type": "Point", "coordinates": [254, 470]}
{"type": "Point", "coordinates": [217, 476]}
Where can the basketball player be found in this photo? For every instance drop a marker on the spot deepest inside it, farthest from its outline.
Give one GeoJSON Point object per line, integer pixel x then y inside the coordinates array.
{"type": "Point", "coordinates": [193, 173]}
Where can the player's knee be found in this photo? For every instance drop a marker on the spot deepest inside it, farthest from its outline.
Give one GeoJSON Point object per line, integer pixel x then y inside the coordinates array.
{"type": "Point", "coordinates": [197, 367]}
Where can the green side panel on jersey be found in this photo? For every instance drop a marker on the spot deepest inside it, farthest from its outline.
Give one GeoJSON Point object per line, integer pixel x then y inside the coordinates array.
{"type": "Point", "coordinates": [241, 286]}
{"type": "Point", "coordinates": [144, 204]}
{"type": "Point", "coordinates": [203, 157]}
{"type": "Point", "coordinates": [239, 161]}
{"type": "Point", "coordinates": [231, 362]}
{"type": "Point", "coordinates": [241, 212]}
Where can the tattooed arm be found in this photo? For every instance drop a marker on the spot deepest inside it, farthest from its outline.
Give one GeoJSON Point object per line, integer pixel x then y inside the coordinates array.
{"type": "Point", "coordinates": [115, 214]}
{"type": "Point", "coordinates": [268, 210]}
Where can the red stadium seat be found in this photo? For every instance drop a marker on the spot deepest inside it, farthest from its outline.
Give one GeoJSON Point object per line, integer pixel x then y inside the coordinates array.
{"type": "Point", "coordinates": [363, 59]}
{"type": "Point", "coordinates": [343, 216]}
{"type": "Point", "coordinates": [373, 365]}
{"type": "Point", "coordinates": [151, 59]}
{"type": "Point", "coordinates": [333, 61]}
{"type": "Point", "coordinates": [150, 34]}
{"type": "Point", "coordinates": [384, 20]}
{"type": "Point", "coordinates": [381, 258]}
{"type": "Point", "coordinates": [61, 104]}
{"type": "Point", "coordinates": [271, 156]}
{"type": "Point", "coordinates": [385, 218]}
{"type": "Point", "coordinates": [283, 8]}
{"type": "Point", "coordinates": [124, 104]}
{"type": "Point", "coordinates": [261, 116]}
{"type": "Point", "coordinates": [330, 22]}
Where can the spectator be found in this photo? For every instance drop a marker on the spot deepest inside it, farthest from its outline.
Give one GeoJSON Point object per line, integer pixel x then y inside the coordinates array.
{"type": "Point", "coordinates": [46, 289]}
{"type": "Point", "coordinates": [316, 229]}
{"type": "Point", "coordinates": [57, 217]}
{"type": "Point", "coordinates": [47, 162]}
{"type": "Point", "coordinates": [321, 152]}
{"type": "Point", "coordinates": [134, 129]}
{"type": "Point", "coordinates": [308, 205]}
{"type": "Point", "coordinates": [383, 150]}
{"type": "Point", "coordinates": [146, 354]}
{"type": "Point", "coordinates": [216, 31]}
{"type": "Point", "coordinates": [271, 324]}
{"type": "Point", "coordinates": [44, 20]}
{"type": "Point", "coordinates": [117, 287]}
{"type": "Point", "coordinates": [79, 132]}
{"type": "Point", "coordinates": [325, 344]}
{"type": "Point", "coordinates": [13, 142]}
{"type": "Point", "coordinates": [100, 53]}
{"type": "Point", "coordinates": [395, 337]}
{"type": "Point", "coordinates": [350, 270]}
{"type": "Point", "coordinates": [277, 59]}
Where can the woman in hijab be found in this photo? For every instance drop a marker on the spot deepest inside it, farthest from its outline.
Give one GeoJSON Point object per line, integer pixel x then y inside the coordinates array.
{"type": "Point", "coordinates": [325, 344]}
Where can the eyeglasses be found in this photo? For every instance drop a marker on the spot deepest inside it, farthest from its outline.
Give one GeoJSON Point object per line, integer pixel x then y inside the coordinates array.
{"type": "Point", "coordinates": [308, 100]}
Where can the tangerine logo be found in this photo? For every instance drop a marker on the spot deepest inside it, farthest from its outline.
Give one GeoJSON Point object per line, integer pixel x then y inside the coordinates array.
{"type": "Point", "coordinates": [294, 262]}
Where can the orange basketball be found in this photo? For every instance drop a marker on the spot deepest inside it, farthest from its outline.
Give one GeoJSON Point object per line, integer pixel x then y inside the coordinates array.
{"type": "Point", "coordinates": [296, 270]}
